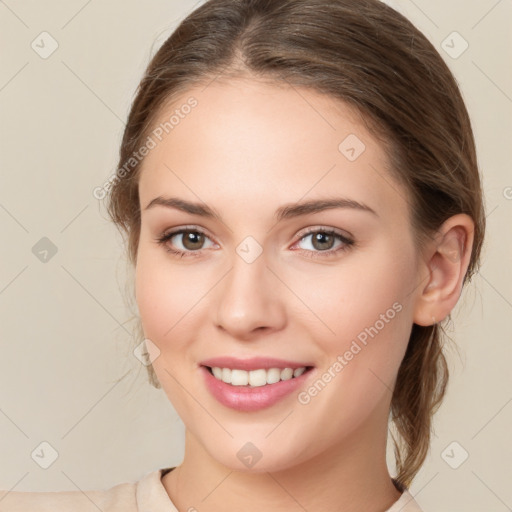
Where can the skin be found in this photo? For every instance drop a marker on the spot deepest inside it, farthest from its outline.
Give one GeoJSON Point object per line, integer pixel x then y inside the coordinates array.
{"type": "Point", "coordinates": [248, 148]}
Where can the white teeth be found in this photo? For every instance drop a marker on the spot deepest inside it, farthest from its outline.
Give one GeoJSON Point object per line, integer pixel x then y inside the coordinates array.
{"type": "Point", "coordinates": [286, 374]}
{"type": "Point", "coordinates": [226, 375]}
{"type": "Point", "coordinates": [256, 378]}
{"type": "Point", "coordinates": [298, 372]}
{"type": "Point", "coordinates": [273, 375]}
{"type": "Point", "coordinates": [239, 378]}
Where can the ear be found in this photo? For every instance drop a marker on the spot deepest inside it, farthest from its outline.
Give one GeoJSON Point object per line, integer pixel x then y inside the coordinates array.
{"type": "Point", "coordinates": [447, 260]}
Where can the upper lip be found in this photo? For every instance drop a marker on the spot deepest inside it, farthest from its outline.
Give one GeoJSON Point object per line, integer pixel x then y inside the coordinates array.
{"type": "Point", "coordinates": [253, 363]}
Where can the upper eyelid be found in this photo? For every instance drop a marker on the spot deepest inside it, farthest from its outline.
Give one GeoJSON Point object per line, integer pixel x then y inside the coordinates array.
{"type": "Point", "coordinates": [337, 231]}
{"type": "Point", "coordinates": [179, 231]}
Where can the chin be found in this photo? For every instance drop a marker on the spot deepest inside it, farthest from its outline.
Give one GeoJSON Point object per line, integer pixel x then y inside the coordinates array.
{"type": "Point", "coordinates": [257, 457]}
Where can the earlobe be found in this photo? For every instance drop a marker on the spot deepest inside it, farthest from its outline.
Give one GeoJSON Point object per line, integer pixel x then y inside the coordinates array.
{"type": "Point", "coordinates": [447, 259]}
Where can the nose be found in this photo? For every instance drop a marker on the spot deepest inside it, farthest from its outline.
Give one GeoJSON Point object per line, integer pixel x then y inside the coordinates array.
{"type": "Point", "coordinates": [249, 299]}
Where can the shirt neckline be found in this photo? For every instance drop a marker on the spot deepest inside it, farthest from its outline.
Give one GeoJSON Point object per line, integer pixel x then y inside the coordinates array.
{"type": "Point", "coordinates": [151, 493]}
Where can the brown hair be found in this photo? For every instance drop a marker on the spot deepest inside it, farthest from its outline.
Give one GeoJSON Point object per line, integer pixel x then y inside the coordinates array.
{"type": "Point", "coordinates": [369, 56]}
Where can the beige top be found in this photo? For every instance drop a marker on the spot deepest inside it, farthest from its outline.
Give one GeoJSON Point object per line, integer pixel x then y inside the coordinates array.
{"type": "Point", "coordinates": [146, 495]}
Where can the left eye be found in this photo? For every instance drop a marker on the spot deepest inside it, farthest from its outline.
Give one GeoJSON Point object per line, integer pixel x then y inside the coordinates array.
{"type": "Point", "coordinates": [324, 241]}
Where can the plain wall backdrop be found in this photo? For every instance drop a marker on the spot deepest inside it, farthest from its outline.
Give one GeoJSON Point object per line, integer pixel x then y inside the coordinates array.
{"type": "Point", "coordinates": [68, 376]}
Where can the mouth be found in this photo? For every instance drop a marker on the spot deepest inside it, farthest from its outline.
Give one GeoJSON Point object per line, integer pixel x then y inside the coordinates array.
{"type": "Point", "coordinates": [255, 378]}
{"type": "Point", "coordinates": [253, 384]}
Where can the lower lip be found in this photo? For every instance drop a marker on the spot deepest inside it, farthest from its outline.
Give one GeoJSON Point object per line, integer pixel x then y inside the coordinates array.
{"type": "Point", "coordinates": [246, 398]}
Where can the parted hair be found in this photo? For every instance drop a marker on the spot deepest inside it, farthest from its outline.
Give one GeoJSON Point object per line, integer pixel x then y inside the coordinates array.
{"type": "Point", "coordinates": [369, 56]}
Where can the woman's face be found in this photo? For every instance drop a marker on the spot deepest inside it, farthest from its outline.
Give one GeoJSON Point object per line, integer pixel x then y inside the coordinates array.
{"type": "Point", "coordinates": [263, 283]}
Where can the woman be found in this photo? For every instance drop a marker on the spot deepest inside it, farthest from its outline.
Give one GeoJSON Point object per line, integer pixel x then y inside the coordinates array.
{"type": "Point", "coordinates": [299, 189]}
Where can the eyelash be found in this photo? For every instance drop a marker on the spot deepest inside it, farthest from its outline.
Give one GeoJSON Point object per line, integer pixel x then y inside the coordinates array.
{"type": "Point", "coordinates": [347, 243]}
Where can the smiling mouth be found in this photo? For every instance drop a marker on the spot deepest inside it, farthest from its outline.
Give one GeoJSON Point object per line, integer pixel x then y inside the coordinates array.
{"type": "Point", "coordinates": [256, 378]}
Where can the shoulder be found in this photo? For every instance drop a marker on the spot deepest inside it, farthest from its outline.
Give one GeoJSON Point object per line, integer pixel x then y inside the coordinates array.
{"type": "Point", "coordinates": [119, 497]}
{"type": "Point", "coordinates": [124, 497]}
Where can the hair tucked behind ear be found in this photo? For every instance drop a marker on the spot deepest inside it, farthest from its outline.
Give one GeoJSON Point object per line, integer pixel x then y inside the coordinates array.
{"type": "Point", "coordinates": [363, 53]}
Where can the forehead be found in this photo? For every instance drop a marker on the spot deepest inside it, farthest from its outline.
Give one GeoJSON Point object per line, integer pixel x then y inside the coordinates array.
{"type": "Point", "coordinates": [246, 138]}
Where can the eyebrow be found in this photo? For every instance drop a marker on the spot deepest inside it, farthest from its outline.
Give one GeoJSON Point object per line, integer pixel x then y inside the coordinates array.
{"type": "Point", "coordinates": [286, 211]}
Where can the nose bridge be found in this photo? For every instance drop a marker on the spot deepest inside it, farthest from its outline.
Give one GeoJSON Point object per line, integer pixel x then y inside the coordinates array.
{"type": "Point", "coordinates": [247, 298]}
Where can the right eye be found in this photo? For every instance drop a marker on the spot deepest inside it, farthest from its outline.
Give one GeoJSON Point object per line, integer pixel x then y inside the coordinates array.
{"type": "Point", "coordinates": [192, 241]}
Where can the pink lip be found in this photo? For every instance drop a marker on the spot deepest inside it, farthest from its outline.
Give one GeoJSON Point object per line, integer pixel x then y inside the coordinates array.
{"type": "Point", "coordinates": [254, 363]}
{"type": "Point", "coordinates": [246, 398]}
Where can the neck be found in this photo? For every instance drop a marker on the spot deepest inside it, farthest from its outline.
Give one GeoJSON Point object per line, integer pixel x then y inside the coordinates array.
{"type": "Point", "coordinates": [350, 477]}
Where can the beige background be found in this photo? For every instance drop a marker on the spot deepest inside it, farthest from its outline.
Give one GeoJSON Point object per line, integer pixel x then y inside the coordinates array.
{"type": "Point", "coordinates": [64, 324]}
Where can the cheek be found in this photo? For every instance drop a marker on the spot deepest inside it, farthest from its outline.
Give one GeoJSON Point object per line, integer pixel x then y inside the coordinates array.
{"type": "Point", "coordinates": [153, 301]}
{"type": "Point", "coordinates": [165, 295]}
{"type": "Point", "coordinates": [379, 315]}
{"type": "Point", "coordinates": [367, 309]}
{"type": "Point", "coordinates": [347, 299]}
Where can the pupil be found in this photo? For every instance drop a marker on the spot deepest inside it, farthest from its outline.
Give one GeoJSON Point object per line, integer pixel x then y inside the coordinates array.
{"type": "Point", "coordinates": [193, 240]}
{"type": "Point", "coordinates": [320, 238]}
